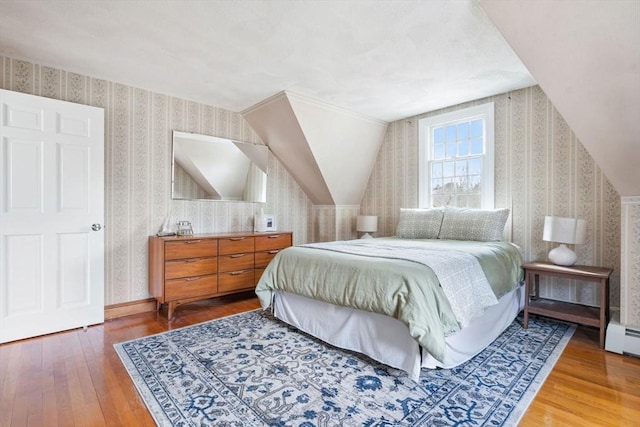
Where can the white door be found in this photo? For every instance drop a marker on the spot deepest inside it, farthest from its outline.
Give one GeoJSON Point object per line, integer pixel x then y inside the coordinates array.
{"type": "Point", "coordinates": [51, 215]}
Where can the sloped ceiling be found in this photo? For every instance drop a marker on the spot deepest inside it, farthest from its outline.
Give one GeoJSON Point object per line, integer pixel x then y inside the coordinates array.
{"type": "Point", "coordinates": [585, 55]}
{"type": "Point", "coordinates": [382, 59]}
{"type": "Point", "coordinates": [329, 151]}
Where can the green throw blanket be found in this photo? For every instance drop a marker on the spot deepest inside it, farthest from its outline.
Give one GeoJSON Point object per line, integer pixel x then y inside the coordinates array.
{"type": "Point", "coordinates": [373, 275]}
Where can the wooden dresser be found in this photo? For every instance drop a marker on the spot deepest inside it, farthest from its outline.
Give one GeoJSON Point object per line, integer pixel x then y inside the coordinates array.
{"type": "Point", "coordinates": [187, 269]}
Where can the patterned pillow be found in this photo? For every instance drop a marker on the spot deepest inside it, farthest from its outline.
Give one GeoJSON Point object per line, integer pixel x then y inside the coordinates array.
{"type": "Point", "coordinates": [419, 223]}
{"type": "Point", "coordinates": [473, 224]}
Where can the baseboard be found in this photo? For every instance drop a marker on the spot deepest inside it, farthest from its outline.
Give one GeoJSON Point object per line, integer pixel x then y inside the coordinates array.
{"type": "Point", "coordinates": [632, 342]}
{"type": "Point", "coordinates": [620, 338]}
{"type": "Point", "coordinates": [128, 308]}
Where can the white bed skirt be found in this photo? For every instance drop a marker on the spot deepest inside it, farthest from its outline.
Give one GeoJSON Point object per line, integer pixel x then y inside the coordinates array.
{"type": "Point", "coordinates": [386, 339]}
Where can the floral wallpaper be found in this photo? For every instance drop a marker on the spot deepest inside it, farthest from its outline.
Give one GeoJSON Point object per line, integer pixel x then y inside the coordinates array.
{"type": "Point", "coordinates": [138, 125]}
{"type": "Point", "coordinates": [540, 169]}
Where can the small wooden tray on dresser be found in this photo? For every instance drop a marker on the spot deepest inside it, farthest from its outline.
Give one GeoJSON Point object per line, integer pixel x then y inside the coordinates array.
{"type": "Point", "coordinates": [187, 269]}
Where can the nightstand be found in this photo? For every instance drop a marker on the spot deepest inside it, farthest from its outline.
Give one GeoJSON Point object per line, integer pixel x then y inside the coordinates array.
{"type": "Point", "coordinates": [577, 313]}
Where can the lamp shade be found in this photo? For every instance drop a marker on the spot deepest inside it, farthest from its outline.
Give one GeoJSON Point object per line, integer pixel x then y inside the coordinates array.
{"type": "Point", "coordinates": [367, 223]}
{"type": "Point", "coordinates": [564, 230]}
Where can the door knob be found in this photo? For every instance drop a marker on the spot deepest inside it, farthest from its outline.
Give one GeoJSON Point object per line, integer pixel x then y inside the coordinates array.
{"type": "Point", "coordinates": [96, 227]}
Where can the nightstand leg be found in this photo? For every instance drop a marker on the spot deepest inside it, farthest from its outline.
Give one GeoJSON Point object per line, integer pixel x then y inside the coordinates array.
{"type": "Point", "coordinates": [604, 309]}
{"type": "Point", "coordinates": [527, 283]}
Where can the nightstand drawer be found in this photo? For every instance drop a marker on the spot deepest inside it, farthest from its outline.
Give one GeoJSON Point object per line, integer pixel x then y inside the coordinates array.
{"type": "Point", "coordinates": [235, 262]}
{"type": "Point", "coordinates": [236, 245]}
{"type": "Point", "coordinates": [236, 280]}
{"type": "Point", "coordinates": [190, 267]}
{"type": "Point", "coordinates": [190, 248]}
{"type": "Point", "coordinates": [191, 287]}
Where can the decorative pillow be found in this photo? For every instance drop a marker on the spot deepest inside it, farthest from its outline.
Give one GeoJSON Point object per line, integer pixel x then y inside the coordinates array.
{"type": "Point", "coordinates": [473, 224]}
{"type": "Point", "coordinates": [419, 223]}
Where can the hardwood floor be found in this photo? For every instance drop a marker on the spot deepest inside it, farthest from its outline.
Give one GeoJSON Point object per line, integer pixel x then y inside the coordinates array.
{"type": "Point", "coordinates": [75, 378]}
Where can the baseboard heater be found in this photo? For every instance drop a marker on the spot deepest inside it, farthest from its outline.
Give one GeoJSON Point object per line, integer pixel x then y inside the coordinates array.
{"type": "Point", "coordinates": [622, 339]}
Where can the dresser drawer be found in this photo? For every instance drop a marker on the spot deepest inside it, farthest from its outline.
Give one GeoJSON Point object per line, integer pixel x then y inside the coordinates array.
{"type": "Point", "coordinates": [235, 262]}
{"type": "Point", "coordinates": [264, 258]}
{"type": "Point", "coordinates": [190, 267]}
{"type": "Point", "coordinates": [236, 245]}
{"type": "Point", "coordinates": [190, 248]}
{"type": "Point", "coordinates": [236, 280]}
{"type": "Point", "coordinates": [273, 241]}
{"type": "Point", "coordinates": [190, 287]}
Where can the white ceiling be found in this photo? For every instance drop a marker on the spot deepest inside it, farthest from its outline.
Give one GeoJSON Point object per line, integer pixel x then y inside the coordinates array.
{"type": "Point", "coordinates": [383, 59]}
{"type": "Point", "coordinates": [386, 59]}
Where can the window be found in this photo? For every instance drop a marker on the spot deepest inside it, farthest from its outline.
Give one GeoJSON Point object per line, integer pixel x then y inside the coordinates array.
{"type": "Point", "coordinates": [456, 159]}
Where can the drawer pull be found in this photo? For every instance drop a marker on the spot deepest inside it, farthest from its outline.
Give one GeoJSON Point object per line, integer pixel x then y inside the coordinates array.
{"type": "Point", "coordinates": [274, 236]}
{"type": "Point", "coordinates": [235, 239]}
{"type": "Point", "coordinates": [235, 273]}
{"type": "Point", "coordinates": [189, 242]}
{"type": "Point", "coordinates": [237, 256]}
{"type": "Point", "coordinates": [189, 279]}
{"type": "Point", "coordinates": [274, 252]}
{"type": "Point", "coordinates": [190, 260]}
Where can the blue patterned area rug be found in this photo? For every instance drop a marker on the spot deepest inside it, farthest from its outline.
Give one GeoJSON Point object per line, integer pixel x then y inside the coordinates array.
{"type": "Point", "coordinates": [253, 370]}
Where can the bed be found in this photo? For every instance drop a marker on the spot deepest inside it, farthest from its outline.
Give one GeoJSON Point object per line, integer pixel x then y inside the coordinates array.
{"type": "Point", "coordinates": [432, 296]}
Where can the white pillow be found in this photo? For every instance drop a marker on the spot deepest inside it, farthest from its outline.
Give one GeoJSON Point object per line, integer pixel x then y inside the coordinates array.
{"type": "Point", "coordinates": [481, 225]}
{"type": "Point", "coordinates": [419, 223]}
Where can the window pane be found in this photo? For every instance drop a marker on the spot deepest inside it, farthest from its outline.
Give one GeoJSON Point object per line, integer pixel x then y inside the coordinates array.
{"type": "Point", "coordinates": [451, 133]}
{"type": "Point", "coordinates": [438, 151]}
{"type": "Point", "coordinates": [436, 186]}
{"type": "Point", "coordinates": [475, 166]}
{"type": "Point", "coordinates": [439, 201]}
{"type": "Point", "coordinates": [463, 148]}
{"type": "Point", "coordinates": [436, 170]}
{"type": "Point", "coordinates": [449, 186]}
{"type": "Point", "coordinates": [476, 146]}
{"type": "Point", "coordinates": [438, 135]}
{"type": "Point", "coordinates": [451, 149]}
{"type": "Point", "coordinates": [461, 201]}
{"type": "Point", "coordinates": [476, 128]}
{"type": "Point", "coordinates": [474, 184]}
{"type": "Point", "coordinates": [456, 155]}
{"type": "Point", "coordinates": [447, 169]}
{"type": "Point", "coordinates": [463, 184]}
{"type": "Point", "coordinates": [474, 201]}
{"type": "Point", "coordinates": [463, 131]}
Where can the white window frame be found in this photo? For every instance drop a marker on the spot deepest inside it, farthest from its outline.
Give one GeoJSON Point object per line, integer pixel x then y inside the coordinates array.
{"type": "Point", "coordinates": [425, 126]}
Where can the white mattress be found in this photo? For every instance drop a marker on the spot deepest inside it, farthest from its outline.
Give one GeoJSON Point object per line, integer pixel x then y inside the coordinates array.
{"type": "Point", "coordinates": [386, 339]}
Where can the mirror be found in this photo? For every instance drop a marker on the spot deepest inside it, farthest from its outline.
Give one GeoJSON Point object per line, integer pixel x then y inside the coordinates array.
{"type": "Point", "coordinates": [210, 168]}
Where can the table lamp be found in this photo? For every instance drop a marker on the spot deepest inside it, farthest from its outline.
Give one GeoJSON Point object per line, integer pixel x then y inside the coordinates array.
{"type": "Point", "coordinates": [367, 224]}
{"type": "Point", "coordinates": [564, 231]}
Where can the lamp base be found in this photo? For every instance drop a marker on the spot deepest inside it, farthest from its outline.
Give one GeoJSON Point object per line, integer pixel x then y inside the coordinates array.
{"type": "Point", "coordinates": [562, 255]}
{"type": "Point", "coordinates": [366, 236]}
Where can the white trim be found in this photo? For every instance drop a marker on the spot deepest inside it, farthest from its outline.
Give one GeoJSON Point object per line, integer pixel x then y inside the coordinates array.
{"type": "Point", "coordinates": [628, 243]}
{"type": "Point", "coordinates": [288, 95]}
{"type": "Point", "coordinates": [484, 111]}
